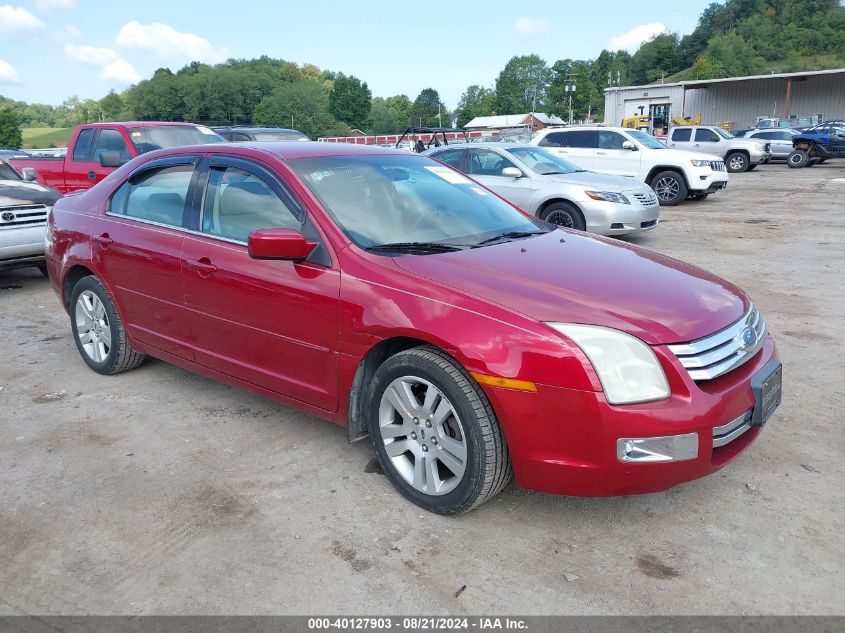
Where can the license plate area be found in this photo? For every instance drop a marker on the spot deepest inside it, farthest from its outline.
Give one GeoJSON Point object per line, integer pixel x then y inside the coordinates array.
{"type": "Point", "coordinates": [767, 386]}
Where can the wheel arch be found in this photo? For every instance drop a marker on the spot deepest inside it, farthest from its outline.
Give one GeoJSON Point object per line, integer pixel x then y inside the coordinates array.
{"type": "Point", "coordinates": [547, 203]}
{"type": "Point", "coordinates": [71, 278]}
{"type": "Point", "coordinates": [658, 168]}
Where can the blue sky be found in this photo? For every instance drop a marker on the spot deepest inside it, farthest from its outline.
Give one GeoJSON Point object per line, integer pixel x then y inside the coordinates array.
{"type": "Point", "coordinates": [52, 49]}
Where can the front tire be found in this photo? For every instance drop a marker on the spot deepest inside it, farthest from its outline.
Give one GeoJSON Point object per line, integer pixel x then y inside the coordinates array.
{"type": "Point", "coordinates": [98, 330]}
{"type": "Point", "coordinates": [564, 214]}
{"type": "Point", "coordinates": [670, 188]}
{"type": "Point", "coordinates": [737, 163]}
{"type": "Point", "coordinates": [797, 158]}
{"type": "Point", "coordinates": [434, 432]}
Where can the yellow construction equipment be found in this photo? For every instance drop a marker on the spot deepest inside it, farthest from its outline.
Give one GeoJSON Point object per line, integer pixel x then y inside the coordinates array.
{"type": "Point", "coordinates": [687, 120]}
{"type": "Point", "coordinates": [637, 122]}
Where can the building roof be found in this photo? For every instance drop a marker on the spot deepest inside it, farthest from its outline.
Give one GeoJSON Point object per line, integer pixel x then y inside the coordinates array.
{"type": "Point", "coordinates": [512, 120]}
{"type": "Point", "coordinates": [703, 83]}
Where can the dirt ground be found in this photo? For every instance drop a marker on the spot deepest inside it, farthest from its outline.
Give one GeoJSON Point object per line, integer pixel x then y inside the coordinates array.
{"type": "Point", "coordinates": [159, 492]}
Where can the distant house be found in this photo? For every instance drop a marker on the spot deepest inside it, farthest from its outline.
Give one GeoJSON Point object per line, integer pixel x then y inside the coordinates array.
{"type": "Point", "coordinates": [508, 122]}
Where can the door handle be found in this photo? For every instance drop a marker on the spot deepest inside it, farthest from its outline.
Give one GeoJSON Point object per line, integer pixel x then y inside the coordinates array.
{"type": "Point", "coordinates": [602, 153]}
{"type": "Point", "coordinates": [104, 240]}
{"type": "Point", "coordinates": [202, 266]}
{"type": "Point", "coordinates": [92, 176]}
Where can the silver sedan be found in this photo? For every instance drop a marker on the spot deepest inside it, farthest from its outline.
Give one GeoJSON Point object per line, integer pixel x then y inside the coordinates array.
{"type": "Point", "coordinates": [554, 189]}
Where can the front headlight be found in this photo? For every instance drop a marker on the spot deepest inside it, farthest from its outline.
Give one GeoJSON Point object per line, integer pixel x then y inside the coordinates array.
{"type": "Point", "coordinates": [758, 147]}
{"type": "Point", "coordinates": [700, 163]}
{"type": "Point", "coordinates": [628, 369]}
{"type": "Point", "coordinates": [608, 196]}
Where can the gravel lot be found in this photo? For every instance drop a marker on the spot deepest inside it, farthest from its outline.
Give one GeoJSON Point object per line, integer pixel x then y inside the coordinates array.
{"type": "Point", "coordinates": [159, 492]}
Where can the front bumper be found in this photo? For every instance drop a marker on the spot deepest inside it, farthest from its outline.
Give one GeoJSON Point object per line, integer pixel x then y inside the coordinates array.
{"type": "Point", "coordinates": [609, 218]}
{"type": "Point", "coordinates": [565, 441]}
{"type": "Point", "coordinates": [20, 245]}
{"type": "Point", "coordinates": [706, 180]}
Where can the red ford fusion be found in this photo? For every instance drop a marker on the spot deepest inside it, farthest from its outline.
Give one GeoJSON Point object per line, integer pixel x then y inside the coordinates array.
{"type": "Point", "coordinates": [395, 296]}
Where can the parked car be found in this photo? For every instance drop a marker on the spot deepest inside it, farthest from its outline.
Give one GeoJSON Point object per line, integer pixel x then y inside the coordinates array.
{"type": "Point", "coordinates": [97, 149]}
{"type": "Point", "coordinates": [555, 190]}
{"type": "Point", "coordinates": [388, 293]}
{"type": "Point", "coordinates": [740, 154]}
{"type": "Point", "coordinates": [23, 215]}
{"type": "Point", "coordinates": [779, 140]}
{"type": "Point", "coordinates": [817, 145]}
{"type": "Point", "coordinates": [242, 133]}
{"type": "Point", "coordinates": [10, 152]}
{"type": "Point", "coordinates": [674, 175]}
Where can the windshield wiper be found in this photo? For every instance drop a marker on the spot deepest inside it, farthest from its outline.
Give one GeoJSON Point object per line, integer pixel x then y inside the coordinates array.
{"type": "Point", "coordinates": [415, 247]}
{"type": "Point", "coordinates": [509, 235]}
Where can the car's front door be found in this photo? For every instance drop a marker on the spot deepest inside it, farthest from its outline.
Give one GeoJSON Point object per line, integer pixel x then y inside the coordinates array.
{"type": "Point", "coordinates": [707, 141]}
{"type": "Point", "coordinates": [613, 159]}
{"type": "Point", "coordinates": [486, 166]}
{"type": "Point", "coordinates": [80, 163]}
{"type": "Point", "coordinates": [137, 248]}
{"type": "Point", "coordinates": [270, 323]}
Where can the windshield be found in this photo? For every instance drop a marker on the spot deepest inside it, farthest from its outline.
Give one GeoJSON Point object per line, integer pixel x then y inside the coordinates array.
{"type": "Point", "coordinates": [280, 136]}
{"type": "Point", "coordinates": [646, 139]}
{"type": "Point", "coordinates": [723, 133]}
{"type": "Point", "coordinates": [395, 198]}
{"type": "Point", "coordinates": [543, 162]}
{"type": "Point", "coordinates": [153, 137]}
{"type": "Point", "coordinates": [7, 172]}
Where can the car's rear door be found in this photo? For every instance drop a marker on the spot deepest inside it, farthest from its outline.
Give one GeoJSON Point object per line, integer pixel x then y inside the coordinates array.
{"type": "Point", "coordinates": [680, 138]}
{"type": "Point", "coordinates": [270, 323]}
{"type": "Point", "coordinates": [576, 146]}
{"type": "Point", "coordinates": [138, 250]}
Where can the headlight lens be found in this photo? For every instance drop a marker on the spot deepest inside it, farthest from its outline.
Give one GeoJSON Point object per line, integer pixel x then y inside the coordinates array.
{"type": "Point", "coordinates": [608, 196]}
{"type": "Point", "coordinates": [758, 147]}
{"type": "Point", "coordinates": [700, 163]}
{"type": "Point", "coordinates": [628, 369]}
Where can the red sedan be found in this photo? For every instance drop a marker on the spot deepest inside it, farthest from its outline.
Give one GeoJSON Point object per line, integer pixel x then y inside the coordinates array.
{"type": "Point", "coordinates": [392, 295]}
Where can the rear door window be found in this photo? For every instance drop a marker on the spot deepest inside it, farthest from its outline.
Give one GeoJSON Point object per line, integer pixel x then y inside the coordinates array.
{"type": "Point", "coordinates": [554, 139]}
{"type": "Point", "coordinates": [157, 195]}
{"type": "Point", "coordinates": [582, 139]}
{"type": "Point", "coordinates": [82, 147]}
{"type": "Point", "coordinates": [452, 157]}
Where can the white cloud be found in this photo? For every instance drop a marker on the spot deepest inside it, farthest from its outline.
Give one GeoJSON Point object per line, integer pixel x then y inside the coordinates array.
{"type": "Point", "coordinates": [17, 20]}
{"type": "Point", "coordinates": [52, 5]}
{"type": "Point", "coordinates": [8, 73]}
{"type": "Point", "coordinates": [90, 55]}
{"type": "Point", "coordinates": [531, 26]}
{"type": "Point", "coordinates": [631, 40]}
{"type": "Point", "coordinates": [71, 32]}
{"type": "Point", "coordinates": [122, 72]}
{"type": "Point", "coordinates": [168, 43]}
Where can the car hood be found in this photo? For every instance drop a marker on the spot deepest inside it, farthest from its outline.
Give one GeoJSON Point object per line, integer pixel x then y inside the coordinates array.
{"type": "Point", "coordinates": [566, 277]}
{"type": "Point", "coordinates": [600, 182]}
{"type": "Point", "coordinates": [685, 155]}
{"type": "Point", "coordinates": [17, 192]}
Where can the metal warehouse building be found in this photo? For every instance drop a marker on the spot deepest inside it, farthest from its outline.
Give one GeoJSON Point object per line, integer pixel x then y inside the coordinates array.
{"type": "Point", "coordinates": [738, 100]}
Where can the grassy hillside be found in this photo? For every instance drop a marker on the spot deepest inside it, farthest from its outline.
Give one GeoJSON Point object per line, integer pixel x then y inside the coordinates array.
{"type": "Point", "coordinates": [790, 65]}
{"type": "Point", "coordinates": [46, 136]}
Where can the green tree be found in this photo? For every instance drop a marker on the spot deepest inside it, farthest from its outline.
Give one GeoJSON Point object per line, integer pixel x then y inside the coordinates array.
{"type": "Point", "coordinates": [426, 107]}
{"type": "Point", "coordinates": [112, 106]}
{"type": "Point", "coordinates": [303, 104]}
{"type": "Point", "coordinates": [401, 106]}
{"type": "Point", "coordinates": [10, 131]}
{"type": "Point", "coordinates": [655, 59]}
{"type": "Point", "coordinates": [349, 100]}
{"type": "Point", "coordinates": [383, 120]}
{"type": "Point", "coordinates": [476, 101]}
{"type": "Point", "coordinates": [522, 85]}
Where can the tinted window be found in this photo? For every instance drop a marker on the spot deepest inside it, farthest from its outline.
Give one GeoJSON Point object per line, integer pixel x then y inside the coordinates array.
{"type": "Point", "coordinates": [82, 148]}
{"type": "Point", "coordinates": [453, 157]}
{"type": "Point", "coordinates": [238, 202]}
{"type": "Point", "coordinates": [239, 136]}
{"type": "Point", "coordinates": [706, 136]}
{"type": "Point", "coordinates": [582, 138]}
{"type": "Point", "coordinates": [610, 140]}
{"type": "Point", "coordinates": [483, 162]}
{"type": "Point", "coordinates": [157, 195]}
{"type": "Point", "coordinates": [681, 135]}
{"type": "Point", "coordinates": [111, 141]}
{"type": "Point", "coordinates": [152, 137]}
{"type": "Point", "coordinates": [554, 139]}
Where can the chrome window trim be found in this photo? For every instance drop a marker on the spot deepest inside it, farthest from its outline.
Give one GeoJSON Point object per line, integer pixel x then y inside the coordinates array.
{"type": "Point", "coordinates": [727, 433]}
{"type": "Point", "coordinates": [717, 354]}
{"type": "Point", "coordinates": [173, 227]}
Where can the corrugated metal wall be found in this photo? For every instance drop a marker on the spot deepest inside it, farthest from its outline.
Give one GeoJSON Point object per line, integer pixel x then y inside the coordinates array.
{"type": "Point", "coordinates": [741, 101]}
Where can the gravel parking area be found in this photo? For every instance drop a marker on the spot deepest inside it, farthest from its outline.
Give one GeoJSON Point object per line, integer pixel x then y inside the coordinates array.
{"type": "Point", "coordinates": [159, 492]}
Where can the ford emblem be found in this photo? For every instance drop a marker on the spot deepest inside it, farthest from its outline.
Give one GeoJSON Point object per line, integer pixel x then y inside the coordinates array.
{"type": "Point", "coordinates": [747, 338]}
{"type": "Point", "coordinates": [7, 216]}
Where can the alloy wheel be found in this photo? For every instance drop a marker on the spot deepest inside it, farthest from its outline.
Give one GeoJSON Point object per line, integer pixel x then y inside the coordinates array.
{"type": "Point", "coordinates": [92, 326]}
{"type": "Point", "coordinates": [422, 435]}
{"type": "Point", "coordinates": [666, 188]}
{"type": "Point", "coordinates": [737, 163]}
{"type": "Point", "coordinates": [561, 218]}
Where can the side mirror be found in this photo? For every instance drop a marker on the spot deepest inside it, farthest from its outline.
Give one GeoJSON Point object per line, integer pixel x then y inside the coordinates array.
{"type": "Point", "coordinates": [512, 172]}
{"type": "Point", "coordinates": [111, 159]}
{"type": "Point", "coordinates": [29, 174]}
{"type": "Point", "coordinates": [630, 145]}
{"type": "Point", "coordinates": [285, 244]}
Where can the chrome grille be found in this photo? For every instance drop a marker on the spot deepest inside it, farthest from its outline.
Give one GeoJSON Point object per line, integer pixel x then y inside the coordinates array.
{"type": "Point", "coordinates": [767, 147]}
{"type": "Point", "coordinates": [719, 353]}
{"type": "Point", "coordinates": [647, 199]}
{"type": "Point", "coordinates": [717, 165]}
{"type": "Point", "coordinates": [22, 215]}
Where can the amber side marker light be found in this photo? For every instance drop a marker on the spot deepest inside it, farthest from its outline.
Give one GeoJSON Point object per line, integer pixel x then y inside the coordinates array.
{"type": "Point", "coordinates": [505, 383]}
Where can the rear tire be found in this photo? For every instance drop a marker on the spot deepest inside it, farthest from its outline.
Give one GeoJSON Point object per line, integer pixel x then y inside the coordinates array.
{"type": "Point", "coordinates": [98, 330]}
{"type": "Point", "coordinates": [43, 269]}
{"type": "Point", "coordinates": [797, 158]}
{"type": "Point", "coordinates": [737, 162]}
{"type": "Point", "coordinates": [670, 188]}
{"type": "Point", "coordinates": [565, 215]}
{"type": "Point", "coordinates": [434, 432]}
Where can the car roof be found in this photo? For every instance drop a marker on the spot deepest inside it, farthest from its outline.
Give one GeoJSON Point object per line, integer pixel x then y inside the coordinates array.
{"type": "Point", "coordinates": [488, 145]}
{"type": "Point", "coordinates": [142, 124]}
{"type": "Point", "coordinates": [243, 128]}
{"type": "Point", "coordinates": [283, 149]}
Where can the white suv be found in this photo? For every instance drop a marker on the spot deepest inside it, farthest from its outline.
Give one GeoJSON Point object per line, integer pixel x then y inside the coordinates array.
{"type": "Point", "coordinates": [673, 174]}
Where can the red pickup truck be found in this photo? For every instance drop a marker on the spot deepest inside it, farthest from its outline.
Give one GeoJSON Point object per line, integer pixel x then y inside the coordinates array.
{"type": "Point", "coordinates": [97, 149]}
